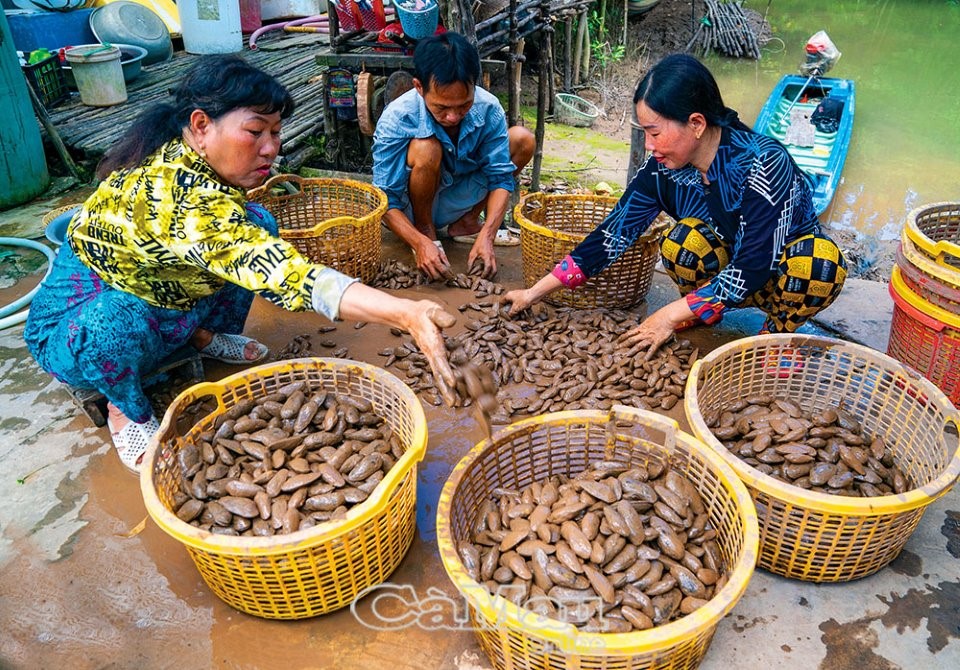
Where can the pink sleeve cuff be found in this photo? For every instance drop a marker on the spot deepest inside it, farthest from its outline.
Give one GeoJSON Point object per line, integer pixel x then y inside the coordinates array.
{"type": "Point", "coordinates": [568, 273]}
{"type": "Point", "coordinates": [705, 306]}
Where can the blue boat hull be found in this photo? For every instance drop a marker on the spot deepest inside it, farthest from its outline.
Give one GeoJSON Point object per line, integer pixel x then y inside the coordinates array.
{"type": "Point", "coordinates": [823, 162]}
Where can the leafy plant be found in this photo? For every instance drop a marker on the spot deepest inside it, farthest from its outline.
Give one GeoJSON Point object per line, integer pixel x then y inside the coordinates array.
{"type": "Point", "coordinates": [601, 50]}
{"type": "Point", "coordinates": [605, 54]}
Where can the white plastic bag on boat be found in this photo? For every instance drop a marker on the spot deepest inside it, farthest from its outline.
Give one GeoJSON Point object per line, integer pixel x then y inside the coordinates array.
{"type": "Point", "coordinates": [822, 54]}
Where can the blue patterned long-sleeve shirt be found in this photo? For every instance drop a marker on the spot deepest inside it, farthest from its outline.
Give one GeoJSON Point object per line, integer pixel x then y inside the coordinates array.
{"type": "Point", "coordinates": [757, 201]}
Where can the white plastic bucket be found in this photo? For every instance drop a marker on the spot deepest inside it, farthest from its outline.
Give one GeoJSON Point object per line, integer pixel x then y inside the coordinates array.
{"type": "Point", "coordinates": [98, 73]}
{"type": "Point", "coordinates": [211, 26]}
{"type": "Point", "coordinates": [291, 9]}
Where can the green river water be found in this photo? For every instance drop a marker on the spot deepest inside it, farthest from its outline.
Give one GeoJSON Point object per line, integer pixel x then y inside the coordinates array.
{"type": "Point", "coordinates": [904, 57]}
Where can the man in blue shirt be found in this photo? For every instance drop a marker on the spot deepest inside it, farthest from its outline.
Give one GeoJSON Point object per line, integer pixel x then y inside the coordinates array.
{"type": "Point", "coordinates": [443, 154]}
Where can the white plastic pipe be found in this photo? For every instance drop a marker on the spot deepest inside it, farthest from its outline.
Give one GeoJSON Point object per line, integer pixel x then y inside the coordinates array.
{"type": "Point", "coordinates": [8, 317]}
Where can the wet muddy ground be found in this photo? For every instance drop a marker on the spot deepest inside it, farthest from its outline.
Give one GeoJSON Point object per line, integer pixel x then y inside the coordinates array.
{"type": "Point", "coordinates": [86, 581]}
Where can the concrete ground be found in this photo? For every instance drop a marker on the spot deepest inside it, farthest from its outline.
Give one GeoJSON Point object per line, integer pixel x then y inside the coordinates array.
{"type": "Point", "coordinates": [87, 581]}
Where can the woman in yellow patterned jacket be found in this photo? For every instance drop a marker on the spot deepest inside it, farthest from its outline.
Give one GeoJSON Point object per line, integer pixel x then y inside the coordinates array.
{"type": "Point", "coordinates": [168, 252]}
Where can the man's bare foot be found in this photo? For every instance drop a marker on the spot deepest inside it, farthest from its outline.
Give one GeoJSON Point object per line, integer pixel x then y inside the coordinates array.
{"type": "Point", "coordinates": [468, 224]}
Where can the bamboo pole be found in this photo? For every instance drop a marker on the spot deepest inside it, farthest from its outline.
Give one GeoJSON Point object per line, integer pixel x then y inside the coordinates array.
{"type": "Point", "coordinates": [578, 50]}
{"type": "Point", "coordinates": [546, 70]}
{"type": "Point", "coordinates": [518, 59]}
{"type": "Point", "coordinates": [585, 74]}
{"type": "Point", "coordinates": [552, 60]}
{"type": "Point", "coordinates": [626, 11]}
{"type": "Point", "coordinates": [513, 97]}
{"type": "Point", "coordinates": [58, 144]}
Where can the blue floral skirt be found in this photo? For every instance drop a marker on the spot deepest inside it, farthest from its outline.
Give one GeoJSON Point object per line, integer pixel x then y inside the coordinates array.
{"type": "Point", "coordinates": [90, 335]}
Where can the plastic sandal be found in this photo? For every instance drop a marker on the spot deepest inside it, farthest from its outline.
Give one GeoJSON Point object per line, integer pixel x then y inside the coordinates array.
{"type": "Point", "coordinates": [465, 239]}
{"type": "Point", "coordinates": [229, 348]}
{"type": "Point", "coordinates": [132, 440]}
{"type": "Point", "coordinates": [503, 238]}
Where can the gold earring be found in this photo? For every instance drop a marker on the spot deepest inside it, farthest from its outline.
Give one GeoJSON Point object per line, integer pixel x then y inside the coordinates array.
{"type": "Point", "coordinates": [698, 135]}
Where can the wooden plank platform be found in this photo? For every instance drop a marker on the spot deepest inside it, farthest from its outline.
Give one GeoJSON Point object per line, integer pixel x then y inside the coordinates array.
{"type": "Point", "coordinates": [291, 57]}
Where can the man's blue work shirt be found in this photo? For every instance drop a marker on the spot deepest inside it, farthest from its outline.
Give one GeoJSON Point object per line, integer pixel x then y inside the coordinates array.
{"type": "Point", "coordinates": [483, 145]}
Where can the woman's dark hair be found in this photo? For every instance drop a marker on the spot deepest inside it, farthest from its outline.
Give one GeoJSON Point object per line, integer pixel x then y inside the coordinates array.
{"type": "Point", "coordinates": [446, 59]}
{"type": "Point", "coordinates": [217, 85]}
{"type": "Point", "coordinates": [680, 85]}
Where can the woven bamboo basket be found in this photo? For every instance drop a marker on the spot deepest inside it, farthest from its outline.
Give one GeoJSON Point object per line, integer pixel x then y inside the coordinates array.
{"type": "Point", "coordinates": [935, 230]}
{"type": "Point", "coordinates": [331, 221]}
{"type": "Point", "coordinates": [552, 225]}
{"type": "Point", "coordinates": [54, 213]}
{"type": "Point", "coordinates": [57, 234]}
{"type": "Point", "coordinates": [814, 536]}
{"type": "Point", "coordinates": [314, 570]}
{"type": "Point", "coordinates": [566, 443]}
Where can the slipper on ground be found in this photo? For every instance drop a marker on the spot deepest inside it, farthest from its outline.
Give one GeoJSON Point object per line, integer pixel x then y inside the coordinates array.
{"type": "Point", "coordinates": [503, 238]}
{"type": "Point", "coordinates": [229, 348]}
{"type": "Point", "coordinates": [132, 440]}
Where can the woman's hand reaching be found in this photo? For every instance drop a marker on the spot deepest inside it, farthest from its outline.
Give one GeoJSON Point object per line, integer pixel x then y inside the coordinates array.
{"type": "Point", "coordinates": [427, 319]}
{"type": "Point", "coordinates": [522, 299]}
{"type": "Point", "coordinates": [423, 319]}
{"type": "Point", "coordinates": [519, 299]}
{"type": "Point", "coordinates": [657, 328]}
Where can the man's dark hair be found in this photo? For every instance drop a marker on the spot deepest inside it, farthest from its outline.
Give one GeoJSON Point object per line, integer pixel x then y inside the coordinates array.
{"type": "Point", "coordinates": [446, 59]}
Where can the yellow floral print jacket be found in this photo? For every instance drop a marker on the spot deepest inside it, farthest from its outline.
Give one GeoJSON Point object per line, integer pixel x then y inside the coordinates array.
{"type": "Point", "coordinates": [171, 233]}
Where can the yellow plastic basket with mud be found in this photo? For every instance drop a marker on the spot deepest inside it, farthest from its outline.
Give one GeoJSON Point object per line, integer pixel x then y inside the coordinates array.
{"type": "Point", "coordinates": [816, 536]}
{"type": "Point", "coordinates": [935, 230]}
{"type": "Point", "coordinates": [552, 225]}
{"type": "Point", "coordinates": [314, 570]}
{"type": "Point", "coordinates": [566, 443]}
{"type": "Point", "coordinates": [331, 221]}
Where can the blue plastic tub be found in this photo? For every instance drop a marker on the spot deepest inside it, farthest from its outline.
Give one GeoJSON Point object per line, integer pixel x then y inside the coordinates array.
{"type": "Point", "coordinates": [50, 30]}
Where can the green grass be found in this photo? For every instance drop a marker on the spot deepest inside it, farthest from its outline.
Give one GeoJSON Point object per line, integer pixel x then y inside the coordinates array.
{"type": "Point", "coordinates": [573, 169]}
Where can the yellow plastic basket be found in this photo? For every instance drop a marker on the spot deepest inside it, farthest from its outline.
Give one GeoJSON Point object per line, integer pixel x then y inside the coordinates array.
{"type": "Point", "coordinates": [552, 225]}
{"type": "Point", "coordinates": [331, 221]}
{"type": "Point", "coordinates": [816, 536]}
{"type": "Point", "coordinates": [565, 443]}
{"type": "Point", "coordinates": [935, 230]}
{"type": "Point", "coordinates": [934, 283]}
{"type": "Point", "coordinates": [315, 570]}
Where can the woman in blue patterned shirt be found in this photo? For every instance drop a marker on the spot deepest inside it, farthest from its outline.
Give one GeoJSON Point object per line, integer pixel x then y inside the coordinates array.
{"type": "Point", "coordinates": [746, 234]}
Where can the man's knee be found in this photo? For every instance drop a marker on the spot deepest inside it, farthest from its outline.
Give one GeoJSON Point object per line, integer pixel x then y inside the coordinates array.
{"type": "Point", "coordinates": [425, 154]}
{"type": "Point", "coordinates": [522, 145]}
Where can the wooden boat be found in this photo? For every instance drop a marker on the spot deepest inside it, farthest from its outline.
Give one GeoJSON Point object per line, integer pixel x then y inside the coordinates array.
{"type": "Point", "coordinates": [787, 115]}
